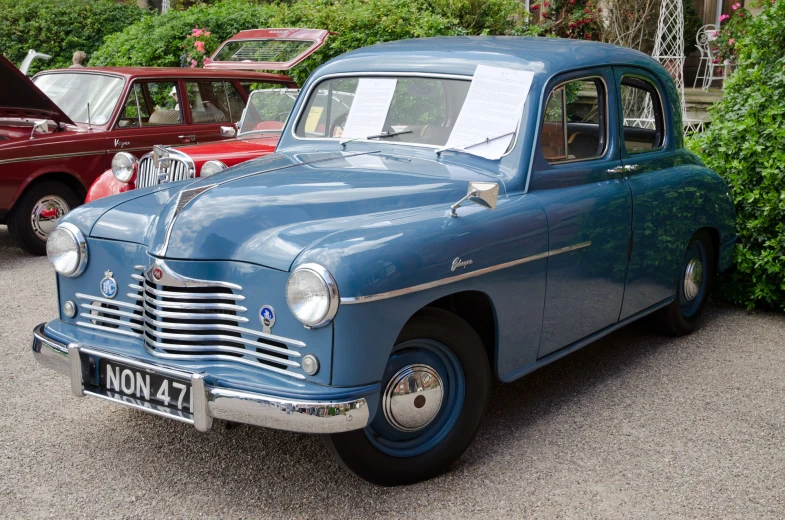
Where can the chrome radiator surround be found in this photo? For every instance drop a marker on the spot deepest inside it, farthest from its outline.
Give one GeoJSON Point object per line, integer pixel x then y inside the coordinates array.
{"type": "Point", "coordinates": [164, 165]}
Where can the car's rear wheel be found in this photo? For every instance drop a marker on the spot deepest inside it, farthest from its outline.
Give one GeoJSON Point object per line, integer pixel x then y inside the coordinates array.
{"type": "Point", "coordinates": [434, 393]}
{"type": "Point", "coordinates": [37, 212]}
{"type": "Point", "coordinates": [695, 282]}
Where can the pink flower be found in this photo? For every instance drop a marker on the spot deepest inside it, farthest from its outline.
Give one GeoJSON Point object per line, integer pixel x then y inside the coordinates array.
{"type": "Point", "coordinates": [199, 46]}
{"type": "Point", "coordinates": [193, 64]}
{"type": "Point", "coordinates": [207, 34]}
{"type": "Point", "coordinates": [715, 60]}
{"type": "Point", "coordinates": [735, 6]}
{"type": "Point", "coordinates": [724, 17]}
{"type": "Point", "coordinates": [731, 41]}
{"type": "Point", "coordinates": [197, 32]}
{"type": "Point", "coordinates": [714, 34]}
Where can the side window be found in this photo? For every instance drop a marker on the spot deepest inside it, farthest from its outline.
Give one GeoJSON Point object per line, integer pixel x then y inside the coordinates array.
{"type": "Point", "coordinates": [235, 102]}
{"type": "Point", "coordinates": [644, 128]}
{"type": "Point", "coordinates": [135, 112]}
{"type": "Point", "coordinates": [575, 126]}
{"type": "Point", "coordinates": [151, 103]}
{"type": "Point", "coordinates": [209, 102]}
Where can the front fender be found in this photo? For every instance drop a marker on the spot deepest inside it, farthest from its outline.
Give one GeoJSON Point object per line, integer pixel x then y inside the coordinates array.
{"type": "Point", "coordinates": [388, 271]}
{"type": "Point", "coordinates": [107, 184]}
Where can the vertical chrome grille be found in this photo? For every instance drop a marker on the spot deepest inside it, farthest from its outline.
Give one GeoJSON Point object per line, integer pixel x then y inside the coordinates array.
{"type": "Point", "coordinates": [176, 167]}
{"type": "Point", "coordinates": [203, 321]}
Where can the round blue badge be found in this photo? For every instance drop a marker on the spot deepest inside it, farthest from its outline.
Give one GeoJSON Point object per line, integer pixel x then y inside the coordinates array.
{"type": "Point", "coordinates": [267, 317]}
{"type": "Point", "coordinates": [108, 285]}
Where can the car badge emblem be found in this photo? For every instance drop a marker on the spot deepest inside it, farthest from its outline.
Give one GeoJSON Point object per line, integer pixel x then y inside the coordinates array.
{"type": "Point", "coordinates": [108, 285]}
{"type": "Point", "coordinates": [267, 317]}
{"type": "Point", "coordinates": [460, 263]}
{"type": "Point", "coordinates": [158, 273]}
{"type": "Point", "coordinates": [160, 157]}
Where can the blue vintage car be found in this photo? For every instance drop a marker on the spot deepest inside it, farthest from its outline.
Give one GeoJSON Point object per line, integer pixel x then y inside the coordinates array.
{"type": "Point", "coordinates": [370, 278]}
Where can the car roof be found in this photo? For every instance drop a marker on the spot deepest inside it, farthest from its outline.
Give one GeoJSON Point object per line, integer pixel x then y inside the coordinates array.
{"type": "Point", "coordinates": [176, 72]}
{"type": "Point", "coordinates": [461, 54]}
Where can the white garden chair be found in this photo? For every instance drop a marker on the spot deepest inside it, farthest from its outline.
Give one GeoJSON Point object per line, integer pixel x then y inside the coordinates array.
{"type": "Point", "coordinates": [704, 39]}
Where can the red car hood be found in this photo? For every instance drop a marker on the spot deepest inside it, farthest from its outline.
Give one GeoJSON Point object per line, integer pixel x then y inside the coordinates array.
{"type": "Point", "coordinates": [20, 98]}
{"type": "Point", "coordinates": [232, 151]}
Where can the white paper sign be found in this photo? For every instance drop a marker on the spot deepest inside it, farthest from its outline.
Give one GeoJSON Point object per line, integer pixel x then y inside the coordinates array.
{"type": "Point", "coordinates": [369, 108]}
{"type": "Point", "coordinates": [492, 109]}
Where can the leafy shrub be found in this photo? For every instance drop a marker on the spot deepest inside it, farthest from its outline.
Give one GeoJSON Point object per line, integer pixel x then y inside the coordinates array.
{"type": "Point", "coordinates": [359, 23]}
{"type": "Point", "coordinates": [60, 27]}
{"type": "Point", "coordinates": [157, 40]}
{"type": "Point", "coordinates": [746, 145]}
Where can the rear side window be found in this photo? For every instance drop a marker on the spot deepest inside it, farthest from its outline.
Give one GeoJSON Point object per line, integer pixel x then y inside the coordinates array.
{"type": "Point", "coordinates": [575, 126]}
{"type": "Point", "coordinates": [209, 102]}
{"type": "Point", "coordinates": [644, 127]}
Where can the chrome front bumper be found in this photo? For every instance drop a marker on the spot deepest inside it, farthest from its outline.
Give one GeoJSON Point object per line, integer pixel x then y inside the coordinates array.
{"type": "Point", "coordinates": [210, 402]}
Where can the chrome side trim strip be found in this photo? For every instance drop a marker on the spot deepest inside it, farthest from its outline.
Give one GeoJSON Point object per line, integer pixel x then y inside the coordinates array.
{"type": "Point", "coordinates": [55, 156]}
{"type": "Point", "coordinates": [460, 277]}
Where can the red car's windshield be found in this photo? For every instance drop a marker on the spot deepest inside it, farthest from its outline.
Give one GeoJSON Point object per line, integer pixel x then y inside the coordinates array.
{"type": "Point", "coordinates": [73, 91]}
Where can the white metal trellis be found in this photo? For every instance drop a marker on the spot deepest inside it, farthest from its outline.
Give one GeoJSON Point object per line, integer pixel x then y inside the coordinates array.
{"type": "Point", "coordinates": [669, 51]}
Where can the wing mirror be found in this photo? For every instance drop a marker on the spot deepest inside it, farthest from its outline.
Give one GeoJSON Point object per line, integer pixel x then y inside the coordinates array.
{"type": "Point", "coordinates": [228, 131]}
{"type": "Point", "coordinates": [482, 193]}
{"type": "Point", "coordinates": [42, 125]}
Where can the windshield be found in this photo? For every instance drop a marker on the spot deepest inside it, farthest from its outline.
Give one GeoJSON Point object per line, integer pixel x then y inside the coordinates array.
{"type": "Point", "coordinates": [272, 50]}
{"type": "Point", "coordinates": [72, 93]}
{"type": "Point", "coordinates": [417, 110]}
{"type": "Point", "coordinates": [267, 110]}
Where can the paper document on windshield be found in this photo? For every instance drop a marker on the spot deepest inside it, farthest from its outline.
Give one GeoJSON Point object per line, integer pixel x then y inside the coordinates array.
{"type": "Point", "coordinates": [369, 108]}
{"type": "Point", "coordinates": [491, 111]}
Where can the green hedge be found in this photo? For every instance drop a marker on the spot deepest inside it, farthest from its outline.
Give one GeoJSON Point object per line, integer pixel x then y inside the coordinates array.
{"type": "Point", "coordinates": [157, 40]}
{"type": "Point", "coordinates": [59, 27]}
{"type": "Point", "coordinates": [746, 145]}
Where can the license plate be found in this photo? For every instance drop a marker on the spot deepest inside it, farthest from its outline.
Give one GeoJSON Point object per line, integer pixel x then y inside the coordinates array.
{"type": "Point", "coordinates": [144, 388]}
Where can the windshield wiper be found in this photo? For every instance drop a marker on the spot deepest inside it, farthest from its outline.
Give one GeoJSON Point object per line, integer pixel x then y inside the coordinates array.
{"type": "Point", "coordinates": [464, 148]}
{"type": "Point", "coordinates": [377, 136]}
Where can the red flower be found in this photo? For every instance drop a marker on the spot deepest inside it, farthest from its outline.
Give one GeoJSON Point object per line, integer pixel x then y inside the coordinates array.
{"type": "Point", "coordinates": [534, 7]}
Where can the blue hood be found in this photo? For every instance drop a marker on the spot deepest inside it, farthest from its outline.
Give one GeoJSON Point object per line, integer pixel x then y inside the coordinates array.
{"type": "Point", "coordinates": [267, 211]}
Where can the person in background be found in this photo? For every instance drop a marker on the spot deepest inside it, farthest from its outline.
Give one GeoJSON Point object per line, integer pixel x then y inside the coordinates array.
{"type": "Point", "coordinates": [77, 60]}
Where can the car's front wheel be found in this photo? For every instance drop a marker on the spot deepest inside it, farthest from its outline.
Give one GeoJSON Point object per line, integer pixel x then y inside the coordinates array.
{"type": "Point", "coordinates": [435, 390]}
{"type": "Point", "coordinates": [37, 212]}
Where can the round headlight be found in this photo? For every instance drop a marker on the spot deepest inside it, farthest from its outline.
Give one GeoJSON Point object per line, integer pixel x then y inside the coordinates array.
{"type": "Point", "coordinates": [66, 248]}
{"type": "Point", "coordinates": [123, 166]}
{"type": "Point", "coordinates": [312, 295]}
{"type": "Point", "coordinates": [211, 168]}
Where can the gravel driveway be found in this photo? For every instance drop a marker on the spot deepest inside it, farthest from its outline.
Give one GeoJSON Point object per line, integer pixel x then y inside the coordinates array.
{"type": "Point", "coordinates": [635, 425]}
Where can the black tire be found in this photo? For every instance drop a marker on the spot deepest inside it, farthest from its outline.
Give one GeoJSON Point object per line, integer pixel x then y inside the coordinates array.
{"type": "Point", "coordinates": [20, 219]}
{"type": "Point", "coordinates": [363, 458]}
{"type": "Point", "coordinates": [682, 316]}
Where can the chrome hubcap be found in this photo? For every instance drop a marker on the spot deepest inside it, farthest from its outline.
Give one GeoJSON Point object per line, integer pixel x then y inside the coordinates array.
{"type": "Point", "coordinates": [413, 397]}
{"type": "Point", "coordinates": [693, 278]}
{"type": "Point", "coordinates": [47, 212]}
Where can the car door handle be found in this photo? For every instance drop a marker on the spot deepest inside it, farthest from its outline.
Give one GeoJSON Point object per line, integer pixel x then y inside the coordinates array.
{"type": "Point", "coordinates": [618, 169]}
{"type": "Point", "coordinates": [630, 167]}
{"type": "Point", "coordinates": [187, 138]}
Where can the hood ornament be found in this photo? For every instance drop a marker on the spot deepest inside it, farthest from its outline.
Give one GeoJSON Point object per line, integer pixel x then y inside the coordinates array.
{"type": "Point", "coordinates": [160, 156]}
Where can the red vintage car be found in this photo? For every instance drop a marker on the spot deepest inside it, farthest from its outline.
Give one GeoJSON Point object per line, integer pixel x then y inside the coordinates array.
{"type": "Point", "coordinates": [60, 131]}
{"type": "Point", "coordinates": [258, 133]}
